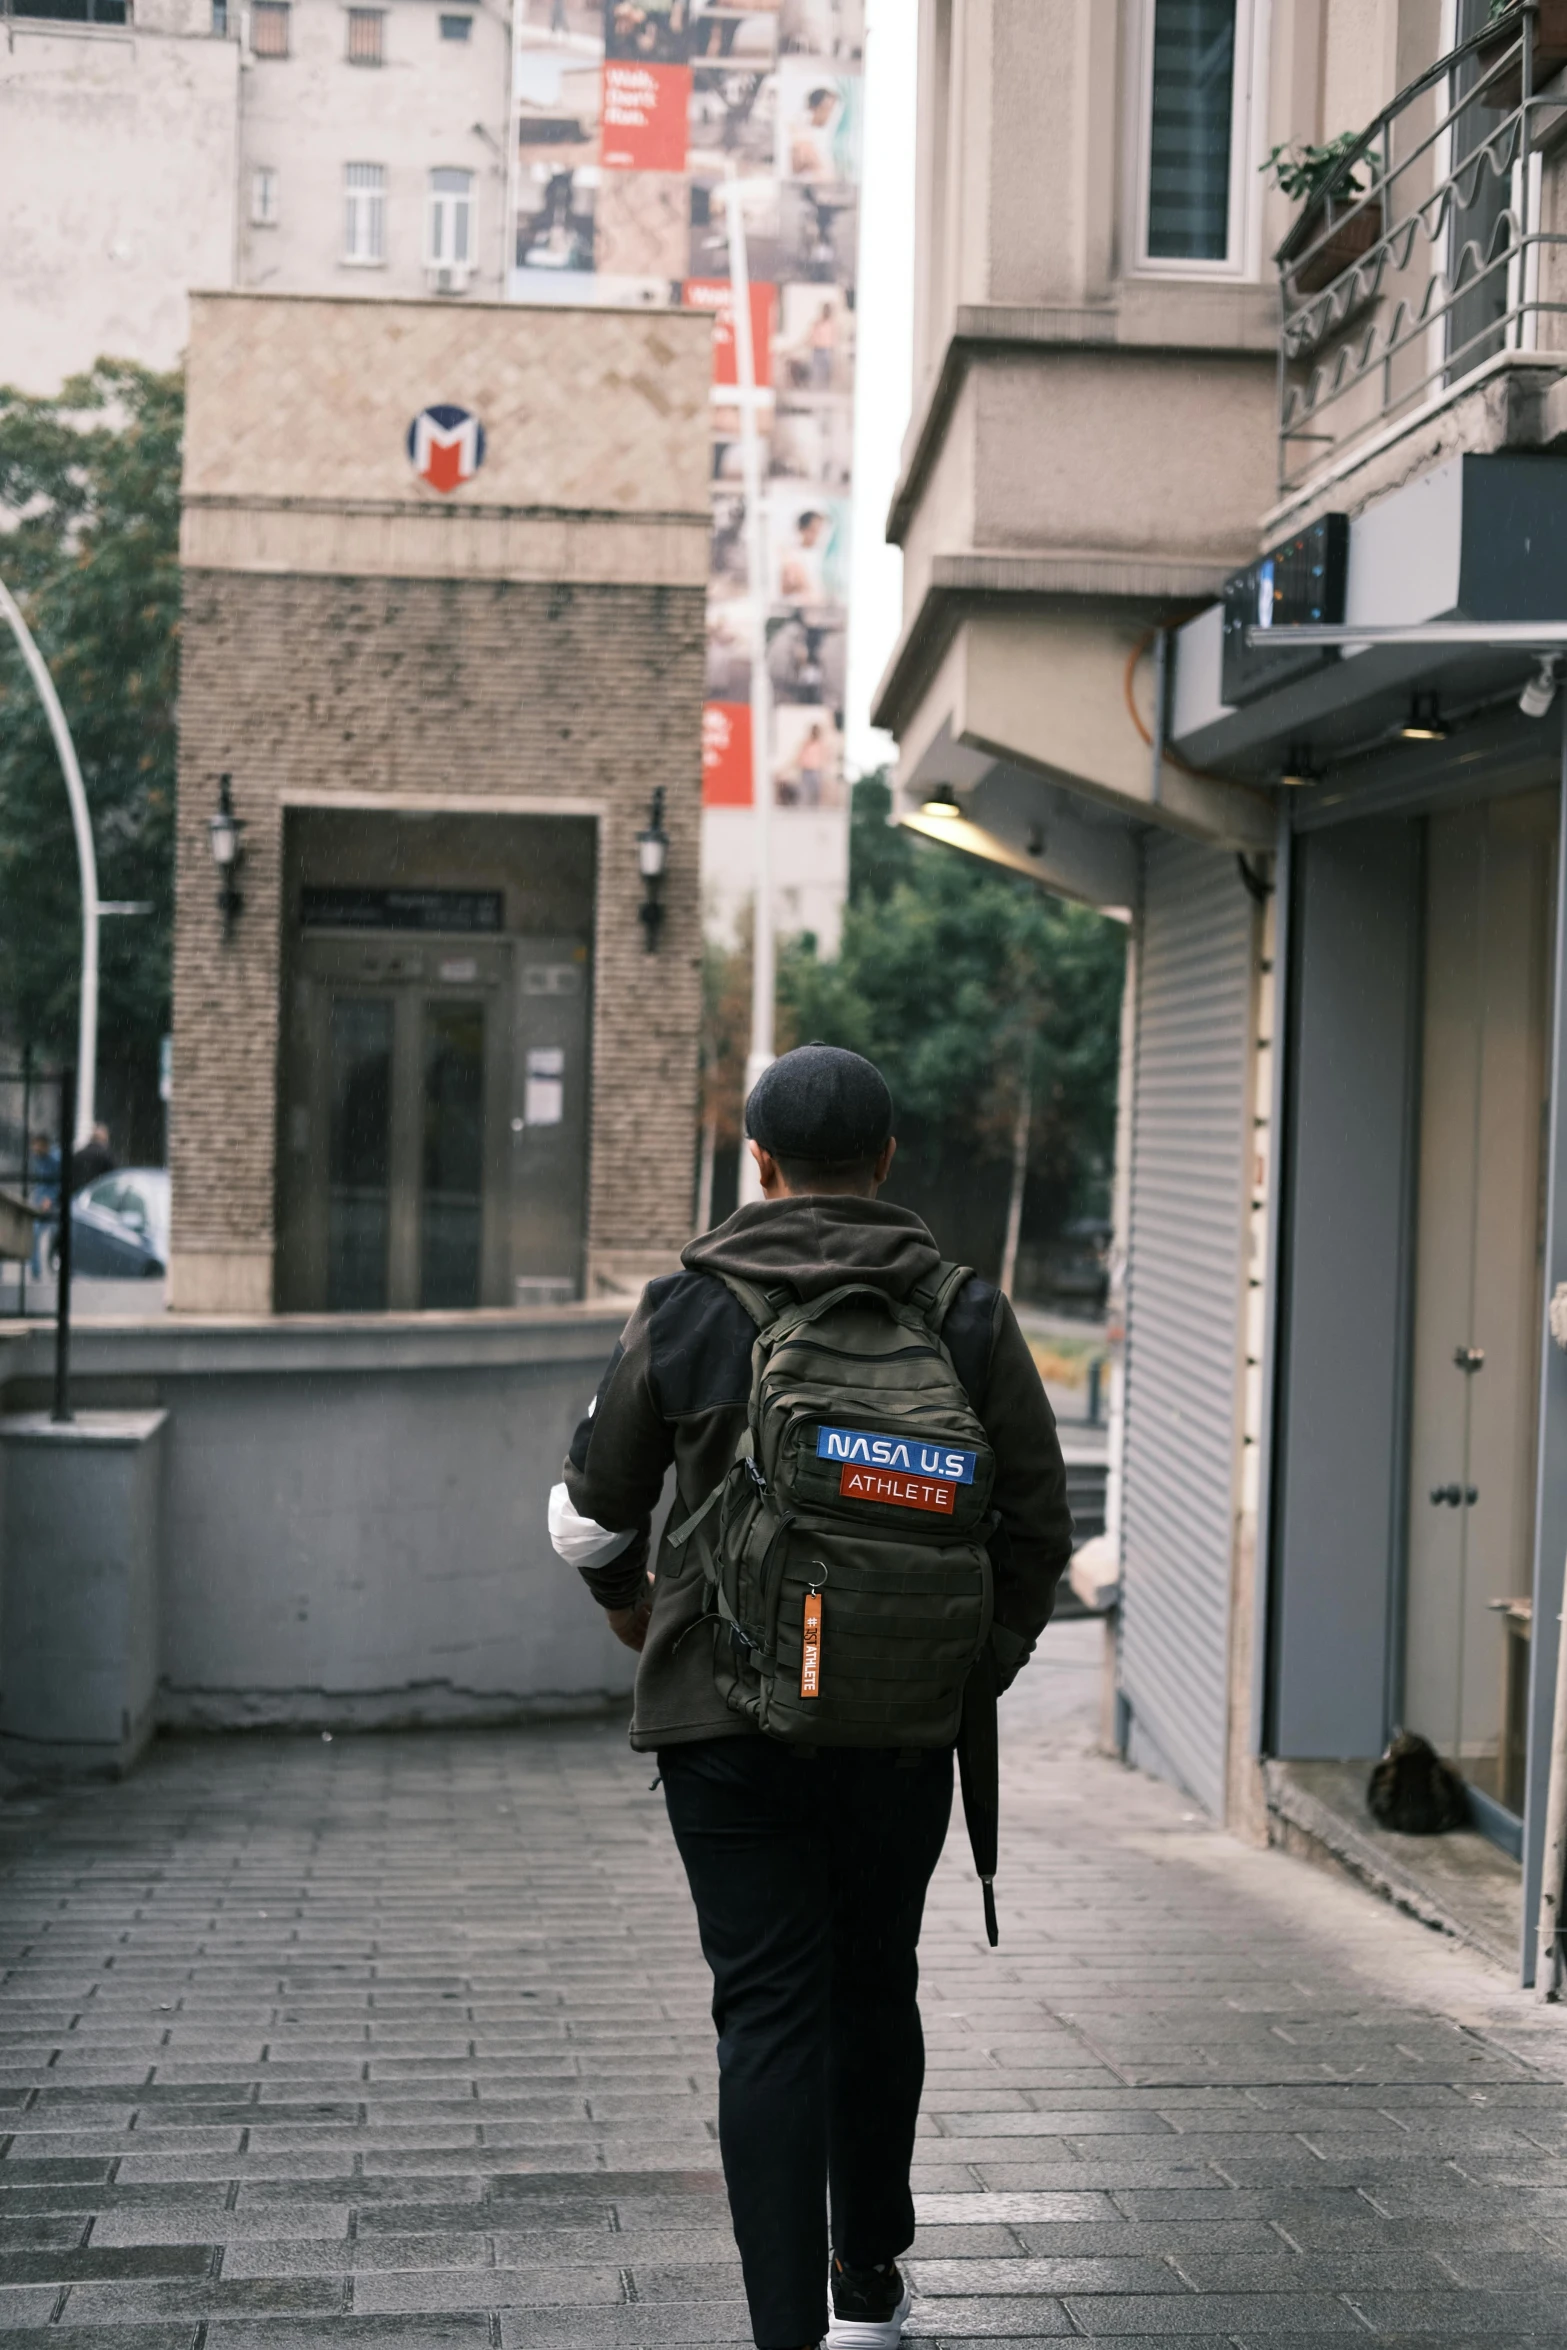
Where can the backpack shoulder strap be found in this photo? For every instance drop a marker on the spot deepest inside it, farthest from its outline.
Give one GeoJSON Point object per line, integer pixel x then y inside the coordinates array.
{"type": "Point", "coordinates": [934, 1298]}
{"type": "Point", "coordinates": [763, 1305]}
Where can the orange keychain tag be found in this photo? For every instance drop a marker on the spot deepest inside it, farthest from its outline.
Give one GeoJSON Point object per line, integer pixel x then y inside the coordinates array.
{"type": "Point", "coordinates": [811, 1647]}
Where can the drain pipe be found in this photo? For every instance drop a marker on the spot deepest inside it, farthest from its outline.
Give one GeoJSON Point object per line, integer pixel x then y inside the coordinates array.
{"type": "Point", "coordinates": [1553, 1883]}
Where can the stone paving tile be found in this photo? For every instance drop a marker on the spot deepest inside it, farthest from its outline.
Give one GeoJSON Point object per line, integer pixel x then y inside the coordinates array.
{"type": "Point", "coordinates": [401, 2044]}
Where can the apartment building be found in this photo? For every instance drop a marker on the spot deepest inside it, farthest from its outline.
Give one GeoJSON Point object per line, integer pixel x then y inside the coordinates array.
{"type": "Point", "coordinates": [151, 148]}
{"type": "Point", "coordinates": [1173, 403]}
{"type": "Point", "coordinates": [119, 180]}
{"type": "Point", "coordinates": [373, 147]}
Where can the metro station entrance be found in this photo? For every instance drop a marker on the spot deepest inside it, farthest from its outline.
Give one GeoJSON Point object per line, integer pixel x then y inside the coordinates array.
{"type": "Point", "coordinates": [433, 1101]}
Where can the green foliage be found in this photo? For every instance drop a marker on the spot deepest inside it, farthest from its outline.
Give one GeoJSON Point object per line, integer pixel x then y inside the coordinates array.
{"type": "Point", "coordinates": [1303, 171]}
{"type": "Point", "coordinates": [89, 546]}
{"type": "Point", "coordinates": [955, 978]}
{"type": "Point", "coordinates": [881, 854]}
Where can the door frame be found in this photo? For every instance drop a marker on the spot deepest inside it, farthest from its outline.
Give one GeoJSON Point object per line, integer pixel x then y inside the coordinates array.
{"type": "Point", "coordinates": [1550, 1507]}
{"type": "Point", "coordinates": [1528, 759]}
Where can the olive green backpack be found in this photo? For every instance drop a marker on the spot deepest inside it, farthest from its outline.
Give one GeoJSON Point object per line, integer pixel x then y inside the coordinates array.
{"type": "Point", "coordinates": [845, 1548]}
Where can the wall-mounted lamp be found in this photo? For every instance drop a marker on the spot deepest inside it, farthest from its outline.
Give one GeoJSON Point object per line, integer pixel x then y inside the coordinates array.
{"type": "Point", "coordinates": [1425, 723]}
{"type": "Point", "coordinates": [228, 852]}
{"type": "Point", "coordinates": [943, 801]}
{"type": "Point", "coordinates": [652, 857]}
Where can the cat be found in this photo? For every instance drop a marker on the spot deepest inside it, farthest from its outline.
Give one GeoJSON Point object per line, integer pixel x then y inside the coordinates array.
{"type": "Point", "coordinates": [1414, 1791]}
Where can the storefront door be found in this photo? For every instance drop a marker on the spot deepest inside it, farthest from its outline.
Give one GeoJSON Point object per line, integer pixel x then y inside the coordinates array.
{"type": "Point", "coordinates": [1488, 928]}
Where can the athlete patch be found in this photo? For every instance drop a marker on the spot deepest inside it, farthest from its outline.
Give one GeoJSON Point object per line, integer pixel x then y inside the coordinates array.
{"type": "Point", "coordinates": [909, 1493]}
{"type": "Point", "coordinates": [915, 1456]}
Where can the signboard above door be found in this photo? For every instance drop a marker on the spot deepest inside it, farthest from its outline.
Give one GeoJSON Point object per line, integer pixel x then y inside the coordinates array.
{"type": "Point", "coordinates": [404, 909]}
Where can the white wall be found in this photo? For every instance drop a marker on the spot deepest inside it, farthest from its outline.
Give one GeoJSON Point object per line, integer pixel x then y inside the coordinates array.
{"type": "Point", "coordinates": [117, 180]}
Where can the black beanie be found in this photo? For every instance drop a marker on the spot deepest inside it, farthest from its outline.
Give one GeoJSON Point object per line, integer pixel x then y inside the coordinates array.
{"type": "Point", "coordinates": [822, 1106]}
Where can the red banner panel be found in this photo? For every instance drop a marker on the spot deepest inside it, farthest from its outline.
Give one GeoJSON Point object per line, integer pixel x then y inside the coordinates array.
{"type": "Point", "coordinates": [646, 116]}
{"type": "Point", "coordinates": [712, 293]}
{"type": "Point", "coordinates": [726, 755]}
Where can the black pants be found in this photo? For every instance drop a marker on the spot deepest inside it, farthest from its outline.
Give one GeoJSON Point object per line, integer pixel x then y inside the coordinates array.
{"type": "Point", "coordinates": [809, 1879]}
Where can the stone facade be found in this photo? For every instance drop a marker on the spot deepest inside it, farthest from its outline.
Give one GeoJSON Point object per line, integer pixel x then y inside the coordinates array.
{"type": "Point", "coordinates": [577, 693]}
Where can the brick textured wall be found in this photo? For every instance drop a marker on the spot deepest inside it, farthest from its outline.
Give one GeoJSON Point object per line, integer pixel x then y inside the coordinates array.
{"type": "Point", "coordinates": [409, 690]}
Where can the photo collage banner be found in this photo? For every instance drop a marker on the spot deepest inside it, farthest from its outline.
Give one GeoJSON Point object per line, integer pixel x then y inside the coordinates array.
{"type": "Point", "coordinates": [630, 115]}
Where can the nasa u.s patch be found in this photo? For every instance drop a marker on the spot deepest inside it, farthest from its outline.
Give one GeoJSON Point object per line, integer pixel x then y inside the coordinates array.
{"type": "Point", "coordinates": [446, 446]}
{"type": "Point", "coordinates": [908, 1456]}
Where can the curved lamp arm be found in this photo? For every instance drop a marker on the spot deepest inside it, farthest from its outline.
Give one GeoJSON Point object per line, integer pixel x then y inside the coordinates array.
{"type": "Point", "coordinates": [87, 1020]}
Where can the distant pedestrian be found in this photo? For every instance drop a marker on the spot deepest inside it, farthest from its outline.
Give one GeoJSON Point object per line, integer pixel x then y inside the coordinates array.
{"type": "Point", "coordinates": [43, 1190]}
{"type": "Point", "coordinates": [94, 1158]}
{"type": "Point", "coordinates": [869, 1524]}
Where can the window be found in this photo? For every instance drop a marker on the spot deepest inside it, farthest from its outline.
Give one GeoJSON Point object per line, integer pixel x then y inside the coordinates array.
{"type": "Point", "coordinates": [73, 11]}
{"type": "Point", "coordinates": [451, 244]}
{"type": "Point", "coordinates": [365, 27]}
{"type": "Point", "coordinates": [1195, 198]}
{"type": "Point", "coordinates": [263, 197]}
{"type": "Point", "coordinates": [364, 213]}
{"type": "Point", "coordinates": [456, 28]}
{"type": "Point", "coordinates": [220, 18]}
{"type": "Point", "coordinates": [269, 27]}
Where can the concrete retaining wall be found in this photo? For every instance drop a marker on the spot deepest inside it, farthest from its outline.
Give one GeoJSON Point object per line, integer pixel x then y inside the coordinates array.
{"type": "Point", "coordinates": [354, 1531]}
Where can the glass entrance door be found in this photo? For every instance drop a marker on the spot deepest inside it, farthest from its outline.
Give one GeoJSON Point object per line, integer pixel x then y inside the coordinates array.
{"type": "Point", "coordinates": [394, 1184]}
{"type": "Point", "coordinates": [359, 1152]}
{"type": "Point", "coordinates": [1478, 1274]}
{"type": "Point", "coordinates": [451, 1149]}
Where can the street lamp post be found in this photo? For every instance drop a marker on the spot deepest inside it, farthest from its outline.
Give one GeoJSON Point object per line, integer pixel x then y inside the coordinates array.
{"type": "Point", "coordinates": [87, 863]}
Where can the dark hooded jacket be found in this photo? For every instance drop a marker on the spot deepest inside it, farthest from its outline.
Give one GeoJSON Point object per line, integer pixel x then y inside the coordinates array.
{"type": "Point", "coordinates": [677, 1389]}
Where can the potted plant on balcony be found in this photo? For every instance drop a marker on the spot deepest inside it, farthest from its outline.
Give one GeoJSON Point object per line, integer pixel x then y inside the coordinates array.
{"type": "Point", "coordinates": [1341, 214]}
{"type": "Point", "coordinates": [1501, 34]}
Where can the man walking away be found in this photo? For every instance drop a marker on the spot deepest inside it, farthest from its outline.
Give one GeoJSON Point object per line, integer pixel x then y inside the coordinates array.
{"type": "Point", "coordinates": [95, 1158]}
{"type": "Point", "coordinates": [820, 1605]}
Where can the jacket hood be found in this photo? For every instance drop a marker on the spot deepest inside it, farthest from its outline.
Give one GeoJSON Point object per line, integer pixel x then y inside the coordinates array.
{"type": "Point", "coordinates": [816, 1243]}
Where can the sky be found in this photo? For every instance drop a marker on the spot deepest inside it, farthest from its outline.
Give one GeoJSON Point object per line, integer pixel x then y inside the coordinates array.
{"type": "Point", "coordinates": [883, 363]}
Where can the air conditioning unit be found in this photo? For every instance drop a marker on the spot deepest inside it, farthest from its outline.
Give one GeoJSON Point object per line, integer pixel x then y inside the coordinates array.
{"type": "Point", "coordinates": [448, 277]}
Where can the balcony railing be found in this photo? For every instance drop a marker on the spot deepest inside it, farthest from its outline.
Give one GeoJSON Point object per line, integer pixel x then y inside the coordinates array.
{"type": "Point", "coordinates": [1423, 265]}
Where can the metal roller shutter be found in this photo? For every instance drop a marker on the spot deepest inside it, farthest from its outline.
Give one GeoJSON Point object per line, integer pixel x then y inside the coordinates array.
{"type": "Point", "coordinates": [1184, 1291]}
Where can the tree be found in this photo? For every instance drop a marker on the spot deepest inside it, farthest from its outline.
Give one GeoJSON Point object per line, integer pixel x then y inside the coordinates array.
{"type": "Point", "coordinates": [89, 502]}
{"type": "Point", "coordinates": [994, 1010]}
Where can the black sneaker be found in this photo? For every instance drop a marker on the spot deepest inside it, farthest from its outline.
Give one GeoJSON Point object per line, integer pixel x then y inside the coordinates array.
{"type": "Point", "coordinates": [869, 2307]}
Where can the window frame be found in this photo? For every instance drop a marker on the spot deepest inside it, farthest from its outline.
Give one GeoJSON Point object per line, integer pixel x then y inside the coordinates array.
{"type": "Point", "coordinates": [363, 16]}
{"type": "Point", "coordinates": [274, 12]}
{"type": "Point", "coordinates": [1248, 123]}
{"type": "Point", "coordinates": [263, 195]}
{"type": "Point", "coordinates": [442, 203]}
{"type": "Point", "coordinates": [364, 203]}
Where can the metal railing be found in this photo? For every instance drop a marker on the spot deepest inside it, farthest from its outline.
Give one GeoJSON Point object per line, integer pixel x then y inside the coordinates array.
{"type": "Point", "coordinates": [1423, 262]}
{"type": "Point", "coordinates": [37, 1107]}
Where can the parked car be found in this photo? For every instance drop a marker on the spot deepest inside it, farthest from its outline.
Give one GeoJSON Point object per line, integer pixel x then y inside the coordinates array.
{"type": "Point", "coordinates": [120, 1226]}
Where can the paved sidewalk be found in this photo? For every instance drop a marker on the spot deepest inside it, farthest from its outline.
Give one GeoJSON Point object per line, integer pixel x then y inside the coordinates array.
{"type": "Point", "coordinates": [402, 2041]}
